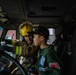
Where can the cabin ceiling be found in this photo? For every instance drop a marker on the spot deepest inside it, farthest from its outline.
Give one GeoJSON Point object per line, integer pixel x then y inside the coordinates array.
{"type": "Point", "coordinates": [38, 11]}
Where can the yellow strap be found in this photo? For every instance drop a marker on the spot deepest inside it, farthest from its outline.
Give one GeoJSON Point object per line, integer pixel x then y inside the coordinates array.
{"type": "Point", "coordinates": [18, 50]}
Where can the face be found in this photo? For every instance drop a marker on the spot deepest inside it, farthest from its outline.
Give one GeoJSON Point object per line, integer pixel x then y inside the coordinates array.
{"type": "Point", "coordinates": [37, 40]}
{"type": "Point", "coordinates": [28, 38]}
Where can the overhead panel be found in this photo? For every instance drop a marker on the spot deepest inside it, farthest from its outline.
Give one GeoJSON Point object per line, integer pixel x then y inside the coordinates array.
{"type": "Point", "coordinates": [48, 8]}
{"type": "Point", "coordinates": [12, 8]}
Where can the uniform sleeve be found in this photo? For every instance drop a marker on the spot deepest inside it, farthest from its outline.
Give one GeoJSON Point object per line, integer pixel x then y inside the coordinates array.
{"type": "Point", "coordinates": [30, 51]}
{"type": "Point", "coordinates": [23, 49]}
{"type": "Point", "coordinates": [18, 47]}
{"type": "Point", "coordinates": [52, 63]}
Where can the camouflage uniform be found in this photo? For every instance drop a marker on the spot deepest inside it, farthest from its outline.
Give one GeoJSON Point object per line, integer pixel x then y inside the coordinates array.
{"type": "Point", "coordinates": [28, 51]}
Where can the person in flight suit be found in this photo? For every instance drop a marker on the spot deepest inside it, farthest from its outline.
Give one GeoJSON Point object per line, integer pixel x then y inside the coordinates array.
{"type": "Point", "coordinates": [47, 59]}
{"type": "Point", "coordinates": [26, 48]}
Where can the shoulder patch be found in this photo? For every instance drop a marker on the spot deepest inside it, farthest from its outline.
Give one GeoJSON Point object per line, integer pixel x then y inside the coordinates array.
{"type": "Point", "coordinates": [54, 65]}
{"type": "Point", "coordinates": [42, 60]}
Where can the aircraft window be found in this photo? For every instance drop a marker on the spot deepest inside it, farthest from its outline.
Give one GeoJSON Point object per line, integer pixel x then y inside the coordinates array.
{"type": "Point", "coordinates": [52, 35]}
{"type": "Point", "coordinates": [1, 30]}
{"type": "Point", "coordinates": [11, 34]}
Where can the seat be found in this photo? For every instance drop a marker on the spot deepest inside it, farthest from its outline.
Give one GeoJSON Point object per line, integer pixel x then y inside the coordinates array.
{"type": "Point", "coordinates": [72, 67]}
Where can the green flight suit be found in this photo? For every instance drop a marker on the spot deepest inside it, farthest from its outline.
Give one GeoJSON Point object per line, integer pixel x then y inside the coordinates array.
{"type": "Point", "coordinates": [48, 62]}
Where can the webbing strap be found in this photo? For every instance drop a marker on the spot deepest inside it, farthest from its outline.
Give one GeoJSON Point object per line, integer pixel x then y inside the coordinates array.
{"type": "Point", "coordinates": [18, 50]}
